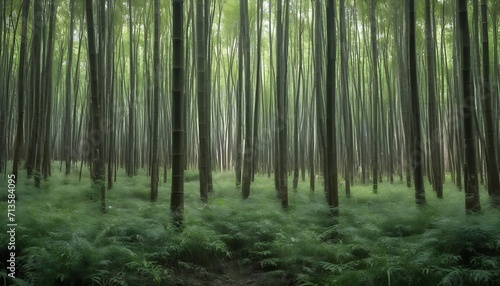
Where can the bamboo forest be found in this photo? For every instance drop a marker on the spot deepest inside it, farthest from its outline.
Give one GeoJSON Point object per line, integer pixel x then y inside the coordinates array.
{"type": "Point", "coordinates": [250, 142]}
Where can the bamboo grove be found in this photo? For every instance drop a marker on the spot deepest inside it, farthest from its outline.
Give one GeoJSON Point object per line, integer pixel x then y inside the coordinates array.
{"type": "Point", "coordinates": [329, 92]}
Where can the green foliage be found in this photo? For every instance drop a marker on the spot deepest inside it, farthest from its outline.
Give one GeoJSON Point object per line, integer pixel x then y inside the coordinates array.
{"type": "Point", "coordinates": [191, 175]}
{"type": "Point", "coordinates": [384, 239]}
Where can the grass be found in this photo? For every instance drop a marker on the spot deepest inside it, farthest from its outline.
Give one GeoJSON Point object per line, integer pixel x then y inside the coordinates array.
{"type": "Point", "coordinates": [382, 239]}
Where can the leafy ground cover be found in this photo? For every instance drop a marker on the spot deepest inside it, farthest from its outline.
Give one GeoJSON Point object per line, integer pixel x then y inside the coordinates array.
{"type": "Point", "coordinates": [379, 239]}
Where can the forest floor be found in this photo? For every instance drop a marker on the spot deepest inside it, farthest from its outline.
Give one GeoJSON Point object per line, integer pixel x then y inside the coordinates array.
{"type": "Point", "coordinates": [379, 239]}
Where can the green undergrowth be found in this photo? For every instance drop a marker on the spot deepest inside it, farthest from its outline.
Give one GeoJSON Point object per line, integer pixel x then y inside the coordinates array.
{"type": "Point", "coordinates": [62, 238]}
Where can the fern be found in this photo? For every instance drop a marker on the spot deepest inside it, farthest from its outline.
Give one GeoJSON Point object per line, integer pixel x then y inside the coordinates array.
{"type": "Point", "coordinates": [452, 277]}
{"type": "Point", "coordinates": [378, 240]}
{"type": "Point", "coordinates": [480, 277]}
{"type": "Point", "coordinates": [269, 262]}
{"type": "Point", "coordinates": [194, 267]}
{"type": "Point", "coordinates": [333, 268]}
{"type": "Point", "coordinates": [149, 270]}
{"type": "Point", "coordinates": [102, 277]}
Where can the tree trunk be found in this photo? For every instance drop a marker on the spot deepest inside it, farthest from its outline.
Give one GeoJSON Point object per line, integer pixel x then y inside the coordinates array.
{"type": "Point", "coordinates": [130, 162]}
{"type": "Point", "coordinates": [318, 68]}
{"type": "Point", "coordinates": [349, 143]}
{"type": "Point", "coordinates": [417, 152]}
{"type": "Point", "coordinates": [296, 131]}
{"type": "Point", "coordinates": [156, 97]}
{"type": "Point", "coordinates": [257, 87]}
{"type": "Point", "coordinates": [434, 133]}
{"type": "Point", "coordinates": [67, 114]}
{"type": "Point", "coordinates": [177, 192]}
{"type": "Point", "coordinates": [20, 96]}
{"type": "Point", "coordinates": [472, 203]}
{"type": "Point", "coordinates": [41, 110]}
{"type": "Point", "coordinates": [35, 87]}
{"type": "Point", "coordinates": [239, 111]}
{"type": "Point", "coordinates": [374, 139]}
{"type": "Point", "coordinates": [312, 173]}
{"type": "Point", "coordinates": [281, 99]}
{"type": "Point", "coordinates": [208, 93]}
{"type": "Point", "coordinates": [96, 132]}
{"type": "Point", "coordinates": [110, 80]}
{"type": "Point", "coordinates": [496, 76]}
{"type": "Point", "coordinates": [48, 92]}
{"type": "Point", "coordinates": [202, 115]}
{"type": "Point", "coordinates": [331, 138]}
{"type": "Point", "coordinates": [488, 121]}
{"type": "Point", "coordinates": [247, 156]}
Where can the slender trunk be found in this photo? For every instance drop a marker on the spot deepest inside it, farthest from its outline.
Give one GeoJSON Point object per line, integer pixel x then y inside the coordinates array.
{"type": "Point", "coordinates": [281, 99]}
{"type": "Point", "coordinates": [318, 66]}
{"type": "Point", "coordinates": [178, 163]}
{"type": "Point", "coordinates": [375, 151]}
{"type": "Point", "coordinates": [488, 121]}
{"type": "Point", "coordinates": [346, 101]}
{"type": "Point", "coordinates": [48, 92]}
{"type": "Point", "coordinates": [35, 87]}
{"type": "Point", "coordinates": [156, 96]}
{"type": "Point", "coordinates": [434, 133]}
{"type": "Point", "coordinates": [130, 162]}
{"type": "Point", "coordinates": [257, 87]}
{"type": "Point", "coordinates": [37, 95]}
{"type": "Point", "coordinates": [96, 133]}
{"type": "Point", "coordinates": [67, 120]}
{"type": "Point", "coordinates": [496, 78]}
{"type": "Point", "coordinates": [247, 168]}
{"type": "Point", "coordinates": [332, 177]}
{"type": "Point", "coordinates": [208, 94]}
{"type": "Point", "coordinates": [472, 204]}
{"type": "Point", "coordinates": [20, 96]}
{"type": "Point", "coordinates": [239, 111]}
{"type": "Point", "coordinates": [296, 110]}
{"type": "Point", "coordinates": [110, 80]}
{"type": "Point", "coordinates": [417, 152]}
{"type": "Point", "coordinates": [202, 116]}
